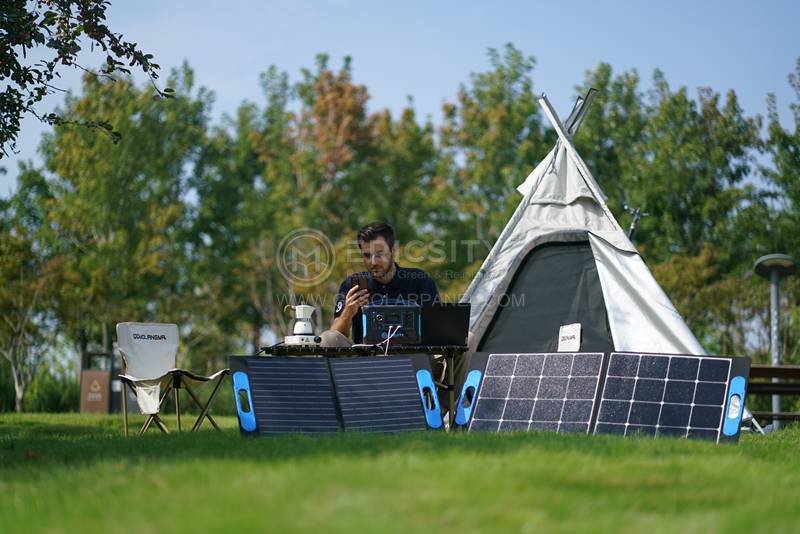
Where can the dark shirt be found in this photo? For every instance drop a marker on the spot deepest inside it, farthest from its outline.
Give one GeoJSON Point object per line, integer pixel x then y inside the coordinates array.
{"type": "Point", "coordinates": [408, 285]}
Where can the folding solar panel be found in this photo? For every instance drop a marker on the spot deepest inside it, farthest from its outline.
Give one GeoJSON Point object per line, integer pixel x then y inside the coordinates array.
{"type": "Point", "coordinates": [284, 395]}
{"type": "Point", "coordinates": [675, 395]}
{"type": "Point", "coordinates": [324, 395]}
{"type": "Point", "coordinates": [380, 394]}
{"type": "Point", "coordinates": [537, 392]}
{"type": "Point", "coordinates": [620, 393]}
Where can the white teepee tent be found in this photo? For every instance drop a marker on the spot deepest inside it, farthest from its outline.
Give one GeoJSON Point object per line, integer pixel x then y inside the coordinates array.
{"type": "Point", "coordinates": [564, 259]}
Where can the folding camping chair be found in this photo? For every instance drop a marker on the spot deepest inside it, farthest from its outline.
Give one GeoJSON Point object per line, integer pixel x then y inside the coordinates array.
{"type": "Point", "coordinates": [149, 352]}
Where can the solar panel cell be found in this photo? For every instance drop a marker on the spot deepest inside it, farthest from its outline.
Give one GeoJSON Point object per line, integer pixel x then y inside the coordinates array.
{"type": "Point", "coordinates": [501, 365]}
{"type": "Point", "coordinates": [485, 425]}
{"type": "Point", "coordinates": [577, 410]}
{"type": "Point", "coordinates": [557, 365]}
{"type": "Point", "coordinates": [681, 368]}
{"type": "Point", "coordinates": [552, 387]}
{"type": "Point", "coordinates": [523, 386]}
{"type": "Point", "coordinates": [582, 387]}
{"type": "Point", "coordinates": [588, 365]}
{"type": "Point", "coordinates": [674, 415]}
{"type": "Point", "coordinates": [619, 388]}
{"type": "Point", "coordinates": [649, 389]}
{"type": "Point", "coordinates": [623, 365]}
{"type": "Point", "coordinates": [705, 417]}
{"type": "Point", "coordinates": [613, 411]}
{"type": "Point", "coordinates": [496, 386]}
{"type": "Point", "coordinates": [518, 409]}
{"type": "Point", "coordinates": [710, 393]}
{"type": "Point", "coordinates": [714, 370]}
{"type": "Point", "coordinates": [529, 365]}
{"type": "Point", "coordinates": [679, 392]}
{"type": "Point", "coordinates": [511, 426]}
{"type": "Point", "coordinates": [643, 413]}
{"type": "Point", "coordinates": [653, 367]}
{"type": "Point", "coordinates": [548, 410]}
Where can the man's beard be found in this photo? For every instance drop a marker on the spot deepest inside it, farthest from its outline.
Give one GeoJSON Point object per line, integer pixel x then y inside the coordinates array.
{"type": "Point", "coordinates": [383, 272]}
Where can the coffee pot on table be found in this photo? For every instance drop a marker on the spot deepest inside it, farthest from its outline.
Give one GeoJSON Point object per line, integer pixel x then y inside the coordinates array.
{"type": "Point", "coordinates": [301, 326]}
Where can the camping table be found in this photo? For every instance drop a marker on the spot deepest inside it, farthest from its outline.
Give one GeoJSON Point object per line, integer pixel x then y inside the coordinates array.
{"type": "Point", "coordinates": [449, 352]}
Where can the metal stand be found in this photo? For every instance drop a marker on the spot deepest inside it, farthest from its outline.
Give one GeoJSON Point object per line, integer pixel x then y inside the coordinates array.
{"type": "Point", "coordinates": [774, 267]}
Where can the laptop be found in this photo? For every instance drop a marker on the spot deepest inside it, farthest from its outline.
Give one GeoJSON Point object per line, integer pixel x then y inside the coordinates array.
{"type": "Point", "coordinates": [445, 323]}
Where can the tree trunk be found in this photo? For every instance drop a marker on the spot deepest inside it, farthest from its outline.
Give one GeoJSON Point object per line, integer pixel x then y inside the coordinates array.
{"type": "Point", "coordinates": [19, 389]}
{"type": "Point", "coordinates": [83, 348]}
{"type": "Point", "coordinates": [106, 339]}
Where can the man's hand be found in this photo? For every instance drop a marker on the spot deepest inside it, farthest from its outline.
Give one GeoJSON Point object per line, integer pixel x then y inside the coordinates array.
{"type": "Point", "coordinates": [354, 299]}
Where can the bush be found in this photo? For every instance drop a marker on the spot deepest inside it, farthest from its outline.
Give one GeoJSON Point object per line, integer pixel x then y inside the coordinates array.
{"type": "Point", "coordinates": [54, 389]}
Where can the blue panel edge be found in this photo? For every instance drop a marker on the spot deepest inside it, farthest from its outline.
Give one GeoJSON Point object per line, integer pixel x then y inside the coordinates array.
{"type": "Point", "coordinates": [363, 324]}
{"type": "Point", "coordinates": [731, 425]}
{"type": "Point", "coordinates": [247, 420]}
{"type": "Point", "coordinates": [464, 414]}
{"type": "Point", "coordinates": [433, 417]}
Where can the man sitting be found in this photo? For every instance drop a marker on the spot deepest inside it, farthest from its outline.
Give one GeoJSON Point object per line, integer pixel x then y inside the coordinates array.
{"type": "Point", "coordinates": [387, 283]}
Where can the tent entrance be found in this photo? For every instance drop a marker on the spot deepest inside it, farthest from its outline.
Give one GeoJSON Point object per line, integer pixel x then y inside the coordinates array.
{"type": "Point", "coordinates": [556, 284]}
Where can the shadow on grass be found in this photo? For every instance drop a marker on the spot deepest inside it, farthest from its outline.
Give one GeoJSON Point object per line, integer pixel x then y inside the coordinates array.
{"type": "Point", "coordinates": [30, 446]}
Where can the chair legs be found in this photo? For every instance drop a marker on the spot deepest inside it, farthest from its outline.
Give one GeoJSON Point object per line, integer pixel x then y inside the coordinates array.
{"type": "Point", "coordinates": [175, 386]}
{"type": "Point", "coordinates": [154, 418]}
{"type": "Point", "coordinates": [205, 408]}
{"type": "Point", "coordinates": [178, 407]}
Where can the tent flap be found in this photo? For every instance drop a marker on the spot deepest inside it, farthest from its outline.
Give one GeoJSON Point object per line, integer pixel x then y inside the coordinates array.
{"type": "Point", "coordinates": [640, 315]}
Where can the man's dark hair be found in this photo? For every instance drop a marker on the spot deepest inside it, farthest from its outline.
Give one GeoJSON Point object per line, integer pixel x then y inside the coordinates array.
{"type": "Point", "coordinates": [374, 230]}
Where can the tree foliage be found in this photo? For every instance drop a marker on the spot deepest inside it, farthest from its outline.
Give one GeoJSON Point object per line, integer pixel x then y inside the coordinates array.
{"type": "Point", "coordinates": [183, 220]}
{"type": "Point", "coordinates": [56, 31]}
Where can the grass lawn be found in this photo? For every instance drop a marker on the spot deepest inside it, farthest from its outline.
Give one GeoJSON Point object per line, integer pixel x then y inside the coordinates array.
{"type": "Point", "coordinates": [76, 473]}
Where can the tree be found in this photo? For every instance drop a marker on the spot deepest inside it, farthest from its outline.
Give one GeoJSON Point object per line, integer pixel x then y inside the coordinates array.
{"type": "Point", "coordinates": [491, 136]}
{"type": "Point", "coordinates": [58, 29]}
{"type": "Point", "coordinates": [115, 213]}
{"type": "Point", "coordinates": [26, 328]}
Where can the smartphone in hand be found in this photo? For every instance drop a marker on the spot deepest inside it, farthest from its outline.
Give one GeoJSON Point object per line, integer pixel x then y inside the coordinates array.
{"type": "Point", "coordinates": [361, 281]}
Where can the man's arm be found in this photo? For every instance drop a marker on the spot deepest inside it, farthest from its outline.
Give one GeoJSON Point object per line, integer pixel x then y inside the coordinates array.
{"type": "Point", "coordinates": [354, 299]}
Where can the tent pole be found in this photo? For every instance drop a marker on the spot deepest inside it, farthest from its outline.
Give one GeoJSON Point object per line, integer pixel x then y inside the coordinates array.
{"type": "Point", "coordinates": [576, 158]}
{"type": "Point", "coordinates": [574, 122]}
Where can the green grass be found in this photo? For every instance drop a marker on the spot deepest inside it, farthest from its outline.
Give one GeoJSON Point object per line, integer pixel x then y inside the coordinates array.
{"type": "Point", "coordinates": [71, 473]}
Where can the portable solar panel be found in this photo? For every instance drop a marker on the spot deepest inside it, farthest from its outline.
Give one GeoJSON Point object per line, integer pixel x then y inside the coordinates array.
{"type": "Point", "coordinates": [284, 395]}
{"type": "Point", "coordinates": [537, 392]}
{"type": "Point", "coordinates": [323, 395]}
{"type": "Point", "coordinates": [380, 394]}
{"type": "Point", "coordinates": [621, 393]}
{"type": "Point", "coordinates": [676, 395]}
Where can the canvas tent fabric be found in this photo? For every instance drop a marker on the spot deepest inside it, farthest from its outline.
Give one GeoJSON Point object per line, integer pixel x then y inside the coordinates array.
{"type": "Point", "coordinates": [563, 207]}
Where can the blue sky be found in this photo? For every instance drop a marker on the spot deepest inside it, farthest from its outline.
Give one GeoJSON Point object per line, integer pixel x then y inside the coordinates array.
{"type": "Point", "coordinates": [426, 49]}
